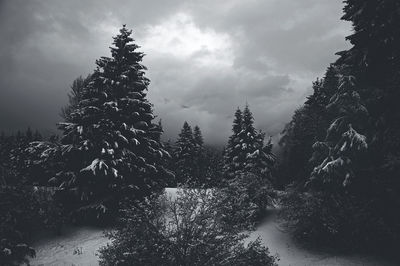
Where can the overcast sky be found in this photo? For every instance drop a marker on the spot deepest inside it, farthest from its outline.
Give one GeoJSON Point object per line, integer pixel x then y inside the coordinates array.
{"type": "Point", "coordinates": [204, 58]}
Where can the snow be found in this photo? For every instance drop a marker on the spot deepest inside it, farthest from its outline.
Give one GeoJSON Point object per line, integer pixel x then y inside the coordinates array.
{"type": "Point", "coordinates": [76, 246]}
{"type": "Point", "coordinates": [79, 245]}
{"type": "Point", "coordinates": [291, 254]}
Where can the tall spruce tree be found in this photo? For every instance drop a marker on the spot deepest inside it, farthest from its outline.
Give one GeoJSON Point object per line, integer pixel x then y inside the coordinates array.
{"type": "Point", "coordinates": [232, 154]}
{"type": "Point", "coordinates": [308, 125]}
{"type": "Point", "coordinates": [375, 62]}
{"type": "Point", "coordinates": [357, 165]}
{"type": "Point", "coordinates": [185, 150]}
{"type": "Point", "coordinates": [198, 138]}
{"type": "Point", "coordinates": [109, 143]}
{"type": "Point", "coordinates": [246, 151]}
{"type": "Point", "coordinates": [257, 157]}
{"type": "Point", "coordinates": [199, 160]}
{"type": "Point", "coordinates": [343, 144]}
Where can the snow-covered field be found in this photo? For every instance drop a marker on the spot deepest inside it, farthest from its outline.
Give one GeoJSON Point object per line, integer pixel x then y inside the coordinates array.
{"type": "Point", "coordinates": [78, 246]}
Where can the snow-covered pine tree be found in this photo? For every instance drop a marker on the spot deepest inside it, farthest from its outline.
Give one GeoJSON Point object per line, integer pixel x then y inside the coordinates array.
{"type": "Point", "coordinates": [257, 158]}
{"type": "Point", "coordinates": [184, 155]}
{"type": "Point", "coordinates": [109, 143]}
{"type": "Point", "coordinates": [375, 57]}
{"type": "Point", "coordinates": [343, 144]}
{"type": "Point", "coordinates": [199, 160]}
{"type": "Point", "coordinates": [232, 153]}
{"type": "Point", "coordinates": [198, 138]}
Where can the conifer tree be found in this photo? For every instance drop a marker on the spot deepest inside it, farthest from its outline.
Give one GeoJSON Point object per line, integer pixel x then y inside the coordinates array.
{"type": "Point", "coordinates": [232, 154]}
{"type": "Point", "coordinates": [246, 151]}
{"type": "Point", "coordinates": [199, 163]}
{"type": "Point", "coordinates": [110, 144]}
{"type": "Point", "coordinates": [184, 154]}
{"type": "Point", "coordinates": [343, 143]}
{"type": "Point", "coordinates": [308, 125]}
{"type": "Point", "coordinates": [198, 138]}
{"type": "Point", "coordinates": [74, 96]}
{"type": "Point", "coordinates": [375, 62]}
{"type": "Point", "coordinates": [257, 157]}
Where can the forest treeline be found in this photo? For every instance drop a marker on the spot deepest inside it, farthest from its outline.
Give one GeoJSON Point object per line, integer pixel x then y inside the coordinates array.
{"type": "Point", "coordinates": [341, 150]}
{"type": "Point", "coordinates": [339, 166]}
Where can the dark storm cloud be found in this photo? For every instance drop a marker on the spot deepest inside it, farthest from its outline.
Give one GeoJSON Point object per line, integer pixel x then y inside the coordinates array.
{"type": "Point", "coordinates": [205, 58]}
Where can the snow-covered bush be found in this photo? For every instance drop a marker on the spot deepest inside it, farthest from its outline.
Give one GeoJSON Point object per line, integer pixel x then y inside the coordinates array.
{"type": "Point", "coordinates": [189, 230]}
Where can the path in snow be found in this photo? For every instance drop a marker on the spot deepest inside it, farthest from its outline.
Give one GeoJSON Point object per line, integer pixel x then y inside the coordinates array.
{"type": "Point", "coordinates": [61, 250]}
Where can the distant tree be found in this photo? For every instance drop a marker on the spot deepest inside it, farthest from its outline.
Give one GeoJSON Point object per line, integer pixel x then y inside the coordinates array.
{"type": "Point", "coordinates": [257, 157]}
{"type": "Point", "coordinates": [37, 136]}
{"type": "Point", "coordinates": [109, 143]}
{"type": "Point", "coordinates": [233, 155]}
{"type": "Point", "coordinates": [75, 96]}
{"type": "Point", "coordinates": [200, 163]}
{"type": "Point", "coordinates": [29, 135]}
{"type": "Point", "coordinates": [246, 151]}
{"type": "Point", "coordinates": [213, 167]}
{"type": "Point", "coordinates": [198, 138]}
{"type": "Point", "coordinates": [184, 154]}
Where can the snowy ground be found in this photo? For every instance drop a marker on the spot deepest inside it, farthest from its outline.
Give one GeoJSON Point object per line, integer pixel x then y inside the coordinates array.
{"type": "Point", "coordinates": [290, 254]}
{"type": "Point", "coordinates": [78, 246]}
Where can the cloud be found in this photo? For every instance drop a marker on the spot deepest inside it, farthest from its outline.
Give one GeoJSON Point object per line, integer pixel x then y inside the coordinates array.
{"type": "Point", "coordinates": [205, 58]}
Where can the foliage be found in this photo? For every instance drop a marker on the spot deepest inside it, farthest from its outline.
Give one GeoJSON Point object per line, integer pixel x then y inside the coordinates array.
{"type": "Point", "coordinates": [192, 165]}
{"type": "Point", "coordinates": [343, 144]}
{"type": "Point", "coordinates": [246, 151]}
{"type": "Point", "coordinates": [189, 230]}
{"type": "Point", "coordinates": [110, 147]}
{"type": "Point", "coordinates": [74, 97]}
{"type": "Point", "coordinates": [308, 124]}
{"type": "Point", "coordinates": [233, 155]}
{"type": "Point", "coordinates": [17, 214]}
{"type": "Point", "coordinates": [22, 211]}
{"type": "Point", "coordinates": [339, 221]}
{"type": "Point", "coordinates": [184, 155]}
{"type": "Point", "coordinates": [13, 157]}
{"type": "Point", "coordinates": [354, 169]}
{"type": "Point", "coordinates": [247, 197]}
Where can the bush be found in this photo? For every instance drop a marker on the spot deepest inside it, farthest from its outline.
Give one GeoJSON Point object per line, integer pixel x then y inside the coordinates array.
{"type": "Point", "coordinates": [17, 214]}
{"type": "Point", "coordinates": [247, 196]}
{"type": "Point", "coordinates": [22, 211]}
{"type": "Point", "coordinates": [340, 221]}
{"type": "Point", "coordinates": [189, 230]}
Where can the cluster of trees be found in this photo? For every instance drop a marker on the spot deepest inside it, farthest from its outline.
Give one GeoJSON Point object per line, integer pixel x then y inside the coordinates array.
{"type": "Point", "coordinates": [342, 146]}
{"type": "Point", "coordinates": [188, 154]}
{"type": "Point", "coordinates": [195, 164]}
{"type": "Point", "coordinates": [246, 151]}
{"type": "Point", "coordinates": [110, 154]}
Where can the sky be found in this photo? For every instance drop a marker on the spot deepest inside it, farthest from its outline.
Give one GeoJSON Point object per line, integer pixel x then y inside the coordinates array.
{"type": "Point", "coordinates": [205, 58]}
